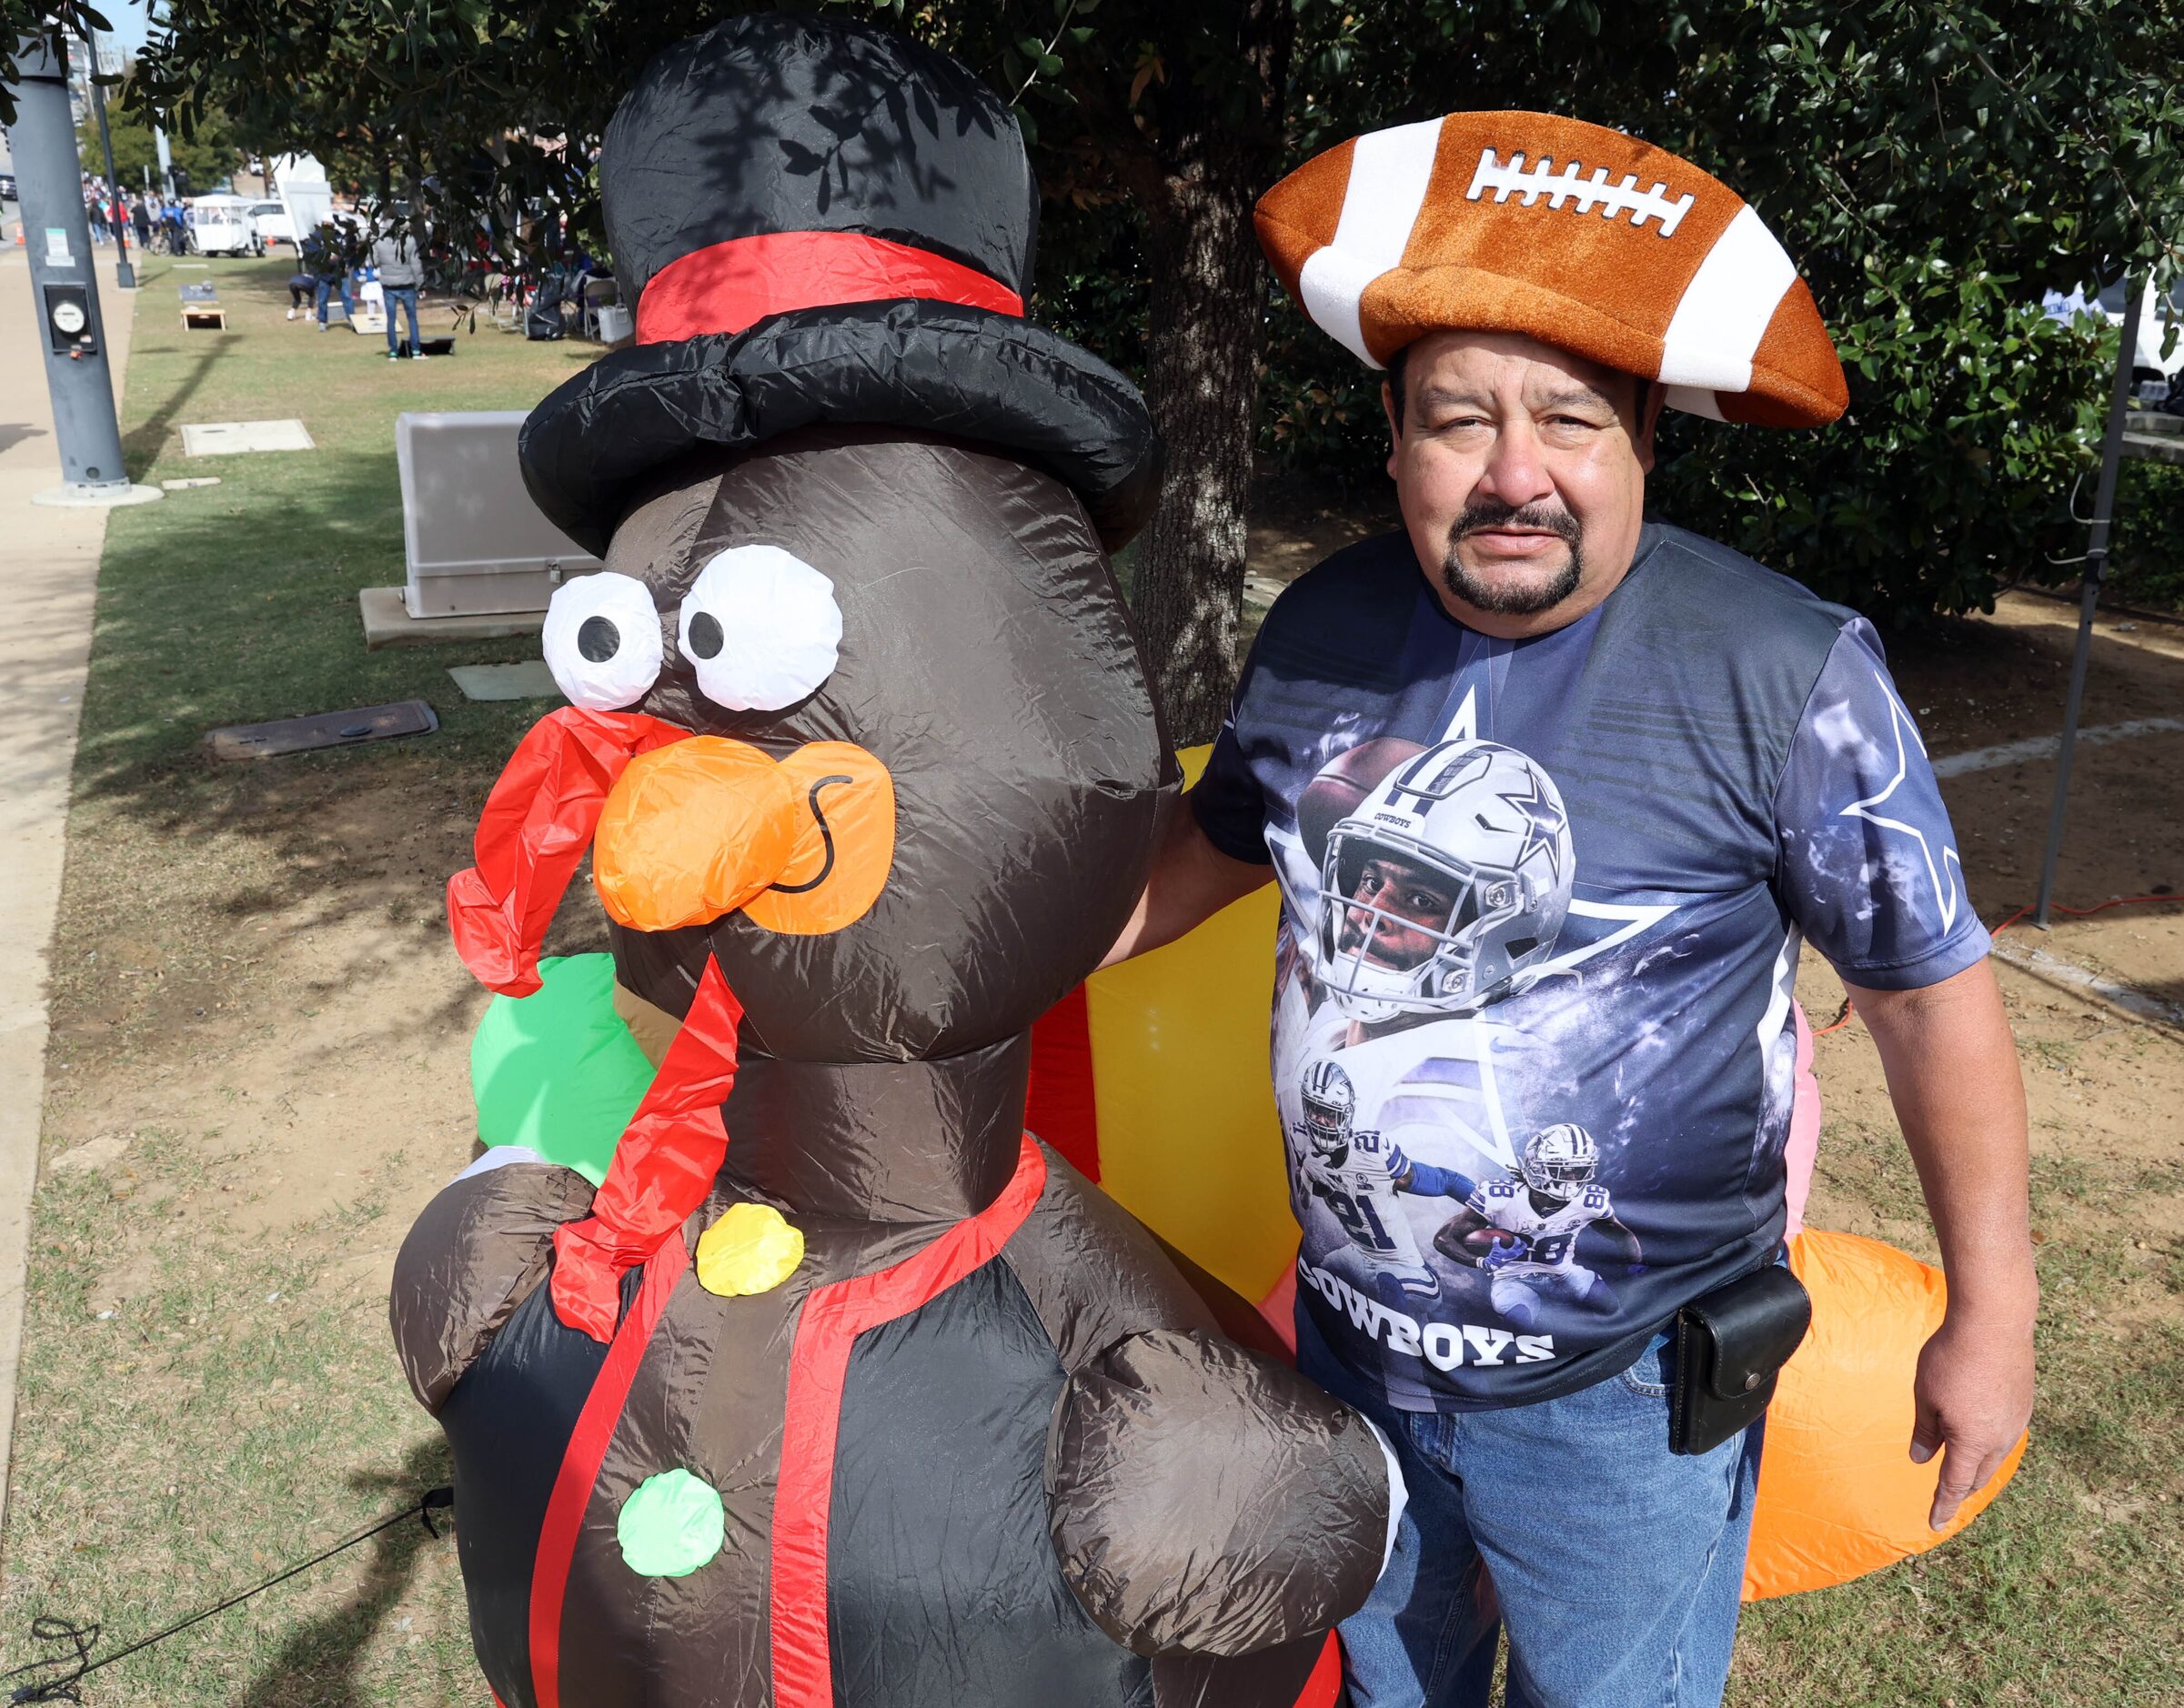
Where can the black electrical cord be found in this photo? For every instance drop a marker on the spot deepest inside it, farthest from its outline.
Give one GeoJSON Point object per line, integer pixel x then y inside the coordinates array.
{"type": "Point", "coordinates": [68, 1671]}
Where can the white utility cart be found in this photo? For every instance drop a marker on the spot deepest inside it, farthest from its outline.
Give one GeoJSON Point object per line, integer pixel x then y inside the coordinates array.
{"type": "Point", "coordinates": [222, 225]}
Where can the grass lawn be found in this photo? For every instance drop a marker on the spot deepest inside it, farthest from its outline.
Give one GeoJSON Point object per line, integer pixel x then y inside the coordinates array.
{"type": "Point", "coordinates": [258, 1074]}
{"type": "Point", "coordinates": [207, 1389]}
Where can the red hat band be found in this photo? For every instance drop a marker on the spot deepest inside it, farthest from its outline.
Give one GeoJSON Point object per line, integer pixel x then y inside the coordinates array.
{"type": "Point", "coordinates": [729, 287]}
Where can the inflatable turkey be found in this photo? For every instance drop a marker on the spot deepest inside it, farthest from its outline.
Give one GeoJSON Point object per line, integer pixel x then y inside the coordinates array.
{"type": "Point", "coordinates": [841, 1388]}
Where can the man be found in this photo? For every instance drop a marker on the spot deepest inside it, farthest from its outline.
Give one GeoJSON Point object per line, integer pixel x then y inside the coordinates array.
{"type": "Point", "coordinates": [324, 256]}
{"type": "Point", "coordinates": [1608, 1006]}
{"type": "Point", "coordinates": [394, 255]}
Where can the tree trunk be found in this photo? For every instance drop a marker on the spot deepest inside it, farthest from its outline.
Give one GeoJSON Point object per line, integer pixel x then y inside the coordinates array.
{"type": "Point", "coordinates": [1215, 150]}
{"type": "Point", "coordinates": [1201, 375]}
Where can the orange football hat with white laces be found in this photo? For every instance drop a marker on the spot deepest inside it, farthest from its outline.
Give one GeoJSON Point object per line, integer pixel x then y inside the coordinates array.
{"type": "Point", "coordinates": [1573, 233]}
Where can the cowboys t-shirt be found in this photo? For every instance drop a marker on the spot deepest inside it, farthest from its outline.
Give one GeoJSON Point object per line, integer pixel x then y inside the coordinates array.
{"type": "Point", "coordinates": [1533, 1040]}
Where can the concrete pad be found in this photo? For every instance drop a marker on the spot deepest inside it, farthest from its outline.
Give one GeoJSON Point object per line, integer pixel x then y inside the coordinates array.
{"type": "Point", "coordinates": [2048, 746]}
{"type": "Point", "coordinates": [347, 726]}
{"type": "Point", "coordinates": [528, 680]}
{"type": "Point", "coordinates": [2070, 976]}
{"type": "Point", "coordinates": [387, 623]}
{"type": "Point", "coordinates": [193, 480]}
{"type": "Point", "coordinates": [82, 496]}
{"type": "Point", "coordinates": [2154, 447]}
{"type": "Point", "coordinates": [52, 571]}
{"type": "Point", "coordinates": [233, 438]}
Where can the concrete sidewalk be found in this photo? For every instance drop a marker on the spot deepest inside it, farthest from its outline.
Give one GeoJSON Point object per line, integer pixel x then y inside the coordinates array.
{"type": "Point", "coordinates": [50, 559]}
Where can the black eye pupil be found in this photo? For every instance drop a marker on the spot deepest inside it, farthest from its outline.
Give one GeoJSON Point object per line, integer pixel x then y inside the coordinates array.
{"type": "Point", "coordinates": [705, 638]}
{"type": "Point", "coordinates": [598, 639]}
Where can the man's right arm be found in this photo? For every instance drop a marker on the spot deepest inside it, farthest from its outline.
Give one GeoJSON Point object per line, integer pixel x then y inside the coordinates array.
{"type": "Point", "coordinates": [1191, 881]}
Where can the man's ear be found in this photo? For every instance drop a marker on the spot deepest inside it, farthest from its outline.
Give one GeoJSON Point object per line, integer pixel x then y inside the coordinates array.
{"type": "Point", "coordinates": [1649, 417]}
{"type": "Point", "coordinates": [1393, 410]}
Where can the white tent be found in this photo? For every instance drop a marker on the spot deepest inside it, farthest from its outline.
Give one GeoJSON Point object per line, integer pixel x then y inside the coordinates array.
{"type": "Point", "coordinates": [300, 183]}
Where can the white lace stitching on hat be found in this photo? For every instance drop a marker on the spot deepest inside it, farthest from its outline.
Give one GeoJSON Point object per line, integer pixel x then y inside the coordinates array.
{"type": "Point", "coordinates": [1587, 193]}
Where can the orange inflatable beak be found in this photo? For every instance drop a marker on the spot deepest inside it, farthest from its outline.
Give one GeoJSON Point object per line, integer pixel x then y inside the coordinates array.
{"type": "Point", "coordinates": [711, 826]}
{"type": "Point", "coordinates": [690, 828]}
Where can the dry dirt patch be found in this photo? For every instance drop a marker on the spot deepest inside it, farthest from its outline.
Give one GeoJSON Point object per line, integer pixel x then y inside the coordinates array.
{"type": "Point", "coordinates": [260, 1073]}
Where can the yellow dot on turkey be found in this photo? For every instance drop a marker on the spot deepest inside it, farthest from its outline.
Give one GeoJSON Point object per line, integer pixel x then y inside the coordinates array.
{"type": "Point", "coordinates": [750, 1250]}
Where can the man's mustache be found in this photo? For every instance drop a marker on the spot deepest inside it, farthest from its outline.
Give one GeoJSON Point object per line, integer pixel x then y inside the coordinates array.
{"type": "Point", "coordinates": [1489, 513]}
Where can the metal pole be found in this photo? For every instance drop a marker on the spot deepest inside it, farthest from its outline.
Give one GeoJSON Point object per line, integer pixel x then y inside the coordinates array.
{"type": "Point", "coordinates": [72, 332]}
{"type": "Point", "coordinates": [125, 276]}
{"type": "Point", "coordinates": [2096, 564]}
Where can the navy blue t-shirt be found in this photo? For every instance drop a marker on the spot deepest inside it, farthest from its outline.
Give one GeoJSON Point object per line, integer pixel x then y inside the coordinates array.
{"type": "Point", "coordinates": [1542, 903]}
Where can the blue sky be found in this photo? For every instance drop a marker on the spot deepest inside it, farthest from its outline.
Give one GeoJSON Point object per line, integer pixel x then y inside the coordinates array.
{"type": "Point", "coordinates": [129, 21]}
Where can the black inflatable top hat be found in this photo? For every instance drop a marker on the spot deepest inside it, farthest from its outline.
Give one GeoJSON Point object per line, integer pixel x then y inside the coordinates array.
{"type": "Point", "coordinates": [823, 221]}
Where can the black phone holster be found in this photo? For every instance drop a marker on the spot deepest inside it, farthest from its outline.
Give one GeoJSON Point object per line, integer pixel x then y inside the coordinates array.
{"type": "Point", "coordinates": [1730, 1347]}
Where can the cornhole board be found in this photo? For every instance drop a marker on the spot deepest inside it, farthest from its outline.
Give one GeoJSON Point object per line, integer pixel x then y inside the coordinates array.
{"type": "Point", "coordinates": [370, 313]}
{"type": "Point", "coordinates": [201, 309]}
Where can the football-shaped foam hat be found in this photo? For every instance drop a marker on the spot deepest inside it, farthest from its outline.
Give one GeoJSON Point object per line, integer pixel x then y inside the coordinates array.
{"type": "Point", "coordinates": [1573, 233]}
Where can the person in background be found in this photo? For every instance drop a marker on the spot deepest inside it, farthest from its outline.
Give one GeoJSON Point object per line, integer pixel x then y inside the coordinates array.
{"type": "Point", "coordinates": [141, 217]}
{"type": "Point", "coordinates": [394, 255]}
{"type": "Point", "coordinates": [324, 256]}
{"type": "Point", "coordinates": [303, 285]}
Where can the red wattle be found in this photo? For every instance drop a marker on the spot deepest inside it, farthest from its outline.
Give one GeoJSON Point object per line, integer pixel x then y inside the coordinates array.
{"type": "Point", "coordinates": [536, 827]}
{"type": "Point", "coordinates": [662, 1168]}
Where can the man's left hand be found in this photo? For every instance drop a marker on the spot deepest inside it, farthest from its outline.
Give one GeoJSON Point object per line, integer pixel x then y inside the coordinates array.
{"type": "Point", "coordinates": [1953, 1077]}
{"type": "Point", "coordinates": [1973, 1400]}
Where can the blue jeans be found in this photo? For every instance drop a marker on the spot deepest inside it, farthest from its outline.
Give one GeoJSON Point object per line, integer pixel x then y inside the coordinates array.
{"type": "Point", "coordinates": [327, 287]}
{"type": "Point", "coordinates": [1615, 1565]}
{"type": "Point", "coordinates": [401, 297]}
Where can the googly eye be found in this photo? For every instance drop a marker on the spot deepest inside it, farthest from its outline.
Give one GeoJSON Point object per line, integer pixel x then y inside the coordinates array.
{"type": "Point", "coordinates": [760, 628]}
{"type": "Point", "coordinates": [602, 640]}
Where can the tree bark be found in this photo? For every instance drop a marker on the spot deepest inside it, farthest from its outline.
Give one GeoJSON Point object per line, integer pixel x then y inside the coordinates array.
{"type": "Point", "coordinates": [1213, 159]}
{"type": "Point", "coordinates": [1201, 380]}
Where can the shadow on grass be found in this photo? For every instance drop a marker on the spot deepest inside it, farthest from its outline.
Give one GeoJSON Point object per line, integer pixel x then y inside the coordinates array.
{"type": "Point", "coordinates": [238, 605]}
{"type": "Point", "coordinates": [140, 447]}
{"type": "Point", "coordinates": [317, 1666]}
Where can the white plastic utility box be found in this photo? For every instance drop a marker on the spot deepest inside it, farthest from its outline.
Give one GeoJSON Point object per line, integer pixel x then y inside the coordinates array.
{"type": "Point", "coordinates": [477, 543]}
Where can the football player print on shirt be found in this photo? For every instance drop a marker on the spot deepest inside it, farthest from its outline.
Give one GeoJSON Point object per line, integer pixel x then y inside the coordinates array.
{"type": "Point", "coordinates": [1446, 876]}
{"type": "Point", "coordinates": [1523, 1230]}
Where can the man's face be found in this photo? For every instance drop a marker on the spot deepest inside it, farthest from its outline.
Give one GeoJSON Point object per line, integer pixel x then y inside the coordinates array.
{"type": "Point", "coordinates": [1521, 474]}
{"type": "Point", "coordinates": [1412, 900]}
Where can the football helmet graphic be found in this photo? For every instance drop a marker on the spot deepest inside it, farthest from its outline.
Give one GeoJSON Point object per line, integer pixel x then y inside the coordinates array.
{"type": "Point", "coordinates": [1330, 1102]}
{"type": "Point", "coordinates": [1561, 1160]}
{"type": "Point", "coordinates": [1472, 825]}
